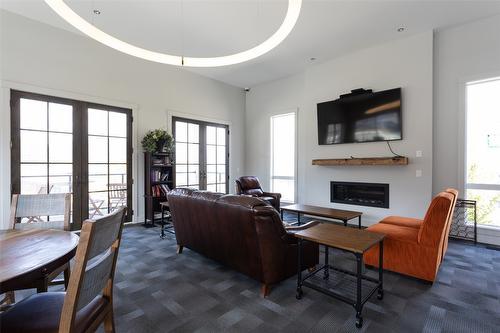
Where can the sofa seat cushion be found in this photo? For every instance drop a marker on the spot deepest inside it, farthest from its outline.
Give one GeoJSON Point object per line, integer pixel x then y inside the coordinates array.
{"type": "Point", "coordinates": [396, 232]}
{"type": "Point", "coordinates": [42, 313]}
{"type": "Point", "coordinates": [403, 221]}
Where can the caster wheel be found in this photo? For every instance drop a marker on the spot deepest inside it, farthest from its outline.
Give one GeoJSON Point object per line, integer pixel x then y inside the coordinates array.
{"type": "Point", "coordinates": [359, 322]}
{"type": "Point", "coordinates": [299, 294]}
{"type": "Point", "coordinates": [380, 295]}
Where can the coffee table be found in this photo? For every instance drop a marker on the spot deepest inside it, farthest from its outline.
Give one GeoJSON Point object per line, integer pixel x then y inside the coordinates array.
{"type": "Point", "coordinates": [336, 214]}
{"type": "Point", "coordinates": [354, 288]}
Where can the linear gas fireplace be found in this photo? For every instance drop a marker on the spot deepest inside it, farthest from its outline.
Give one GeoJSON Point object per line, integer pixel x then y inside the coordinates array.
{"type": "Point", "coordinates": [362, 194]}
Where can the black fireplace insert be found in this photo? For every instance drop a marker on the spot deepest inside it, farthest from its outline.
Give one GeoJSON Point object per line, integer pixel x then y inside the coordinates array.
{"type": "Point", "coordinates": [361, 194]}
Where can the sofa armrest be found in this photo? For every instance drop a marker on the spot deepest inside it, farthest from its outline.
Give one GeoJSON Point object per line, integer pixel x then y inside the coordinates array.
{"type": "Point", "coordinates": [291, 229]}
{"type": "Point", "coordinates": [276, 196]}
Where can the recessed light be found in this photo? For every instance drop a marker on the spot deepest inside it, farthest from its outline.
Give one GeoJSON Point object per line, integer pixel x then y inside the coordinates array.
{"type": "Point", "coordinates": [97, 12]}
{"type": "Point", "coordinates": [401, 29]}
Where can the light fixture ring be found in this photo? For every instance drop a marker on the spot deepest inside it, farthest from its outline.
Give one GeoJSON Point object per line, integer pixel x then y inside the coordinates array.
{"type": "Point", "coordinates": [70, 16]}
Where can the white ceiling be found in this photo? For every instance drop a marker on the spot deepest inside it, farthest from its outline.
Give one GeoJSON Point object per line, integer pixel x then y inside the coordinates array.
{"type": "Point", "coordinates": [325, 29]}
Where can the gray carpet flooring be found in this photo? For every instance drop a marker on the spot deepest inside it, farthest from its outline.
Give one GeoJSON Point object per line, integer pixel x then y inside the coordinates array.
{"type": "Point", "coordinates": [160, 291]}
{"type": "Point", "coordinates": [157, 290]}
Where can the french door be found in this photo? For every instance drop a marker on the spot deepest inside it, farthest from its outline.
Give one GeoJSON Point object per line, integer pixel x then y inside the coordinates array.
{"type": "Point", "coordinates": [66, 146]}
{"type": "Point", "coordinates": [201, 154]}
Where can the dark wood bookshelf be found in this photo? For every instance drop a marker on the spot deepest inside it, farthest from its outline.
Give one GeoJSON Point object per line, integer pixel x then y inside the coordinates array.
{"type": "Point", "coordinates": [157, 166]}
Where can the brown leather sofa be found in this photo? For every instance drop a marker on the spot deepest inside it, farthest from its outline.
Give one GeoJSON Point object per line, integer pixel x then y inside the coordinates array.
{"type": "Point", "coordinates": [250, 185]}
{"type": "Point", "coordinates": [242, 232]}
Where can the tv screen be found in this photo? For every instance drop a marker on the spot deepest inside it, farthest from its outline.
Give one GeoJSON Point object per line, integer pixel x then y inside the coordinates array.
{"type": "Point", "coordinates": [361, 117]}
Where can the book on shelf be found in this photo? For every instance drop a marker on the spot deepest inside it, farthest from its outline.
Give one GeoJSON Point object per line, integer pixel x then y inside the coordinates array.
{"type": "Point", "coordinates": [159, 175]}
{"type": "Point", "coordinates": [160, 190]}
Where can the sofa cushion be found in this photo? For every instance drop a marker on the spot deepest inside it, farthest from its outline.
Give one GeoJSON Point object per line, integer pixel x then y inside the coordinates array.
{"type": "Point", "coordinates": [255, 192]}
{"type": "Point", "coordinates": [396, 232]}
{"type": "Point", "coordinates": [403, 221]}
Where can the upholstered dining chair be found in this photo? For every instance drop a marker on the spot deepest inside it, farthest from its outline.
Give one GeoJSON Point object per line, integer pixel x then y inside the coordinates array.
{"type": "Point", "coordinates": [250, 185]}
{"type": "Point", "coordinates": [26, 213]}
{"type": "Point", "coordinates": [88, 301]}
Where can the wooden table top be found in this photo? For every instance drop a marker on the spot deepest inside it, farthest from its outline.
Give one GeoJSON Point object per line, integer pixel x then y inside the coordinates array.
{"type": "Point", "coordinates": [340, 237]}
{"type": "Point", "coordinates": [332, 213]}
{"type": "Point", "coordinates": [28, 252]}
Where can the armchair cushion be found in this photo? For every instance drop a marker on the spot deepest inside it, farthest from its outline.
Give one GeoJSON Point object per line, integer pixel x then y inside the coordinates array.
{"type": "Point", "coordinates": [403, 221]}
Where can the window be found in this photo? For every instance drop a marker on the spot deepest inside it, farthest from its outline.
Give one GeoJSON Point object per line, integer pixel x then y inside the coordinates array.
{"type": "Point", "coordinates": [283, 156]}
{"type": "Point", "coordinates": [483, 149]}
{"type": "Point", "coordinates": [202, 158]}
{"type": "Point", "coordinates": [66, 146]}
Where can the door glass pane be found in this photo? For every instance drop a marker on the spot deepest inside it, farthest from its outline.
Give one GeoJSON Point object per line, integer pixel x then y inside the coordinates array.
{"type": "Point", "coordinates": [212, 187]}
{"type": "Point", "coordinates": [193, 133]}
{"type": "Point", "coordinates": [211, 174]}
{"type": "Point", "coordinates": [118, 124]}
{"type": "Point", "coordinates": [211, 135]}
{"type": "Point", "coordinates": [98, 204]}
{"type": "Point", "coordinates": [98, 149]}
{"type": "Point", "coordinates": [181, 175]}
{"type": "Point", "coordinates": [60, 118]}
{"type": "Point", "coordinates": [193, 174]}
{"type": "Point", "coordinates": [60, 148]}
{"type": "Point", "coordinates": [211, 154]}
{"type": "Point", "coordinates": [61, 178]}
{"type": "Point", "coordinates": [181, 153]}
{"type": "Point", "coordinates": [180, 131]}
{"type": "Point", "coordinates": [118, 173]}
{"type": "Point", "coordinates": [285, 187]}
{"type": "Point", "coordinates": [34, 185]}
{"type": "Point", "coordinates": [33, 114]}
{"type": "Point", "coordinates": [98, 177]}
{"type": "Point", "coordinates": [117, 150]}
{"type": "Point", "coordinates": [98, 122]}
{"type": "Point", "coordinates": [221, 154]}
{"type": "Point", "coordinates": [33, 146]}
{"type": "Point", "coordinates": [221, 136]}
{"type": "Point", "coordinates": [193, 153]}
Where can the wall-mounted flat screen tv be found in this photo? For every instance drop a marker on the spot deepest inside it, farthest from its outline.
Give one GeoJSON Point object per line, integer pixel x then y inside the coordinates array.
{"type": "Point", "coordinates": [361, 116]}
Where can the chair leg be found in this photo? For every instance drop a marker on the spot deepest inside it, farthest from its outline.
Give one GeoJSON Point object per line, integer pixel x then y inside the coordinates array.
{"type": "Point", "coordinates": [66, 277]}
{"type": "Point", "coordinates": [264, 290]}
{"type": "Point", "coordinates": [179, 249]}
{"type": "Point", "coordinates": [109, 322]}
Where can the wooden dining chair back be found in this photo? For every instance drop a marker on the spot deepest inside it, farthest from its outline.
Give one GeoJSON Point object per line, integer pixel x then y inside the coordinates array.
{"type": "Point", "coordinates": [33, 206]}
{"type": "Point", "coordinates": [93, 273]}
{"type": "Point", "coordinates": [117, 195]}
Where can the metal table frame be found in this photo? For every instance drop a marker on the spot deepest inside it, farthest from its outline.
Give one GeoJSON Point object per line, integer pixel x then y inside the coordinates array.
{"type": "Point", "coordinates": [298, 218]}
{"type": "Point", "coordinates": [357, 303]}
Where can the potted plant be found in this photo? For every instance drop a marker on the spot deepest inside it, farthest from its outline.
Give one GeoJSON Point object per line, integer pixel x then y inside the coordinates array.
{"type": "Point", "coordinates": [157, 140]}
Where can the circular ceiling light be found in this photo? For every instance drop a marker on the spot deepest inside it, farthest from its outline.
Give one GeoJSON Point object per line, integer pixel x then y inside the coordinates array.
{"type": "Point", "coordinates": [292, 14]}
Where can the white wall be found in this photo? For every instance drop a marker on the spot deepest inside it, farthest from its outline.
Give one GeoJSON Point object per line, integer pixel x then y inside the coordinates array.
{"type": "Point", "coordinates": [44, 59]}
{"type": "Point", "coordinates": [464, 53]}
{"type": "Point", "coordinates": [405, 63]}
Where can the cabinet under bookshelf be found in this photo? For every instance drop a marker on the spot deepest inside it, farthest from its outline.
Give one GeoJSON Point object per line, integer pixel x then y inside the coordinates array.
{"type": "Point", "coordinates": [159, 179]}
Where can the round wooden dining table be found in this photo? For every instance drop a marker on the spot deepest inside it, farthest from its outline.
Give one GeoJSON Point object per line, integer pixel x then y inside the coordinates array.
{"type": "Point", "coordinates": [27, 257]}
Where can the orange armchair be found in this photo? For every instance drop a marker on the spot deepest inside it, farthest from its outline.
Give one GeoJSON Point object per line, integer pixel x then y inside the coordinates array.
{"type": "Point", "coordinates": [411, 247]}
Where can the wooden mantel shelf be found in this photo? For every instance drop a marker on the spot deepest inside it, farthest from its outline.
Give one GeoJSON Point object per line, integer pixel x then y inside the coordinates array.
{"type": "Point", "coordinates": [363, 161]}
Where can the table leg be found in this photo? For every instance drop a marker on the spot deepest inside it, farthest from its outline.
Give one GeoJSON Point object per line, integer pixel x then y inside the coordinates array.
{"type": "Point", "coordinates": [298, 295]}
{"type": "Point", "coordinates": [359, 222]}
{"type": "Point", "coordinates": [326, 272]}
{"type": "Point", "coordinates": [345, 223]}
{"type": "Point", "coordinates": [298, 218]}
{"type": "Point", "coordinates": [380, 294]}
{"type": "Point", "coordinates": [359, 306]}
{"type": "Point", "coordinates": [162, 235]}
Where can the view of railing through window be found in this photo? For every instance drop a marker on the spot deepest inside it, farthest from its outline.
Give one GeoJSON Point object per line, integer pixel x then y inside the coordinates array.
{"type": "Point", "coordinates": [483, 149]}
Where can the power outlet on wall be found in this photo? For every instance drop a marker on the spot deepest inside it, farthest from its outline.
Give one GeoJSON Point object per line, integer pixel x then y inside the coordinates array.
{"type": "Point", "coordinates": [418, 153]}
{"type": "Point", "coordinates": [418, 173]}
